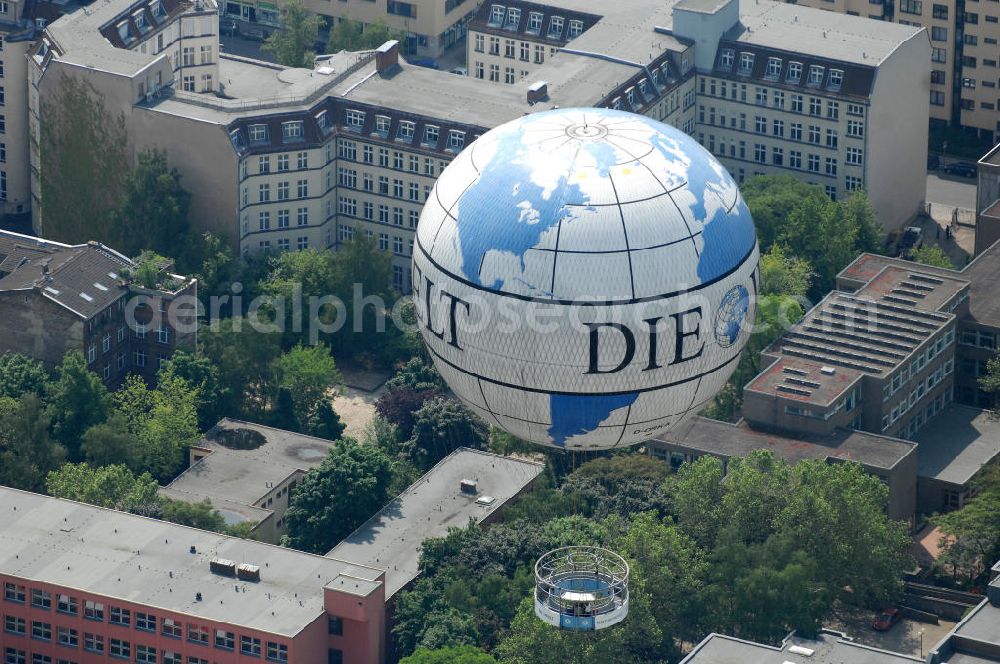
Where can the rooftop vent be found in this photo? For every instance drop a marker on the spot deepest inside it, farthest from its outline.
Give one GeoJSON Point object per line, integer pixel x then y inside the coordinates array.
{"type": "Point", "coordinates": [829, 371]}
{"type": "Point", "coordinates": [222, 566]}
{"type": "Point", "coordinates": [387, 56]}
{"type": "Point", "coordinates": [485, 500]}
{"type": "Point", "coordinates": [469, 486]}
{"type": "Point", "coordinates": [801, 650]}
{"type": "Point", "coordinates": [248, 572]}
{"type": "Point", "coordinates": [538, 91]}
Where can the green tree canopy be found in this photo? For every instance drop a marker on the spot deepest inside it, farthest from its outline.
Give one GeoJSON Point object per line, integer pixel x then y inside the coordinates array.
{"type": "Point", "coordinates": [20, 374]}
{"type": "Point", "coordinates": [197, 515]}
{"type": "Point", "coordinates": [308, 373]}
{"type": "Point", "coordinates": [350, 35]}
{"type": "Point", "coordinates": [108, 486]}
{"type": "Point", "coordinates": [77, 400]}
{"type": "Point", "coordinates": [449, 655]}
{"type": "Point", "coordinates": [972, 534]}
{"type": "Point", "coordinates": [935, 256]}
{"type": "Point", "coordinates": [292, 45]}
{"type": "Point", "coordinates": [440, 427]}
{"type": "Point", "coordinates": [27, 452]}
{"type": "Point", "coordinates": [153, 214]}
{"type": "Point", "coordinates": [200, 373]}
{"type": "Point", "coordinates": [338, 496]}
{"type": "Point", "coordinates": [781, 274]}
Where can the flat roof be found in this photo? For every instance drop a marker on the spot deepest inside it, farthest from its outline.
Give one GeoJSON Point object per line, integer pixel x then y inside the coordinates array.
{"type": "Point", "coordinates": [826, 649]}
{"type": "Point", "coordinates": [391, 540]}
{"type": "Point", "coordinates": [147, 561]}
{"type": "Point", "coordinates": [243, 476]}
{"type": "Point", "coordinates": [956, 443]}
{"type": "Point", "coordinates": [738, 440]}
{"type": "Point", "coordinates": [826, 34]}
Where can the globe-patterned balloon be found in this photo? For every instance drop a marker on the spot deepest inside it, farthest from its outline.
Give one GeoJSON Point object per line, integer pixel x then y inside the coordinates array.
{"type": "Point", "coordinates": [585, 278]}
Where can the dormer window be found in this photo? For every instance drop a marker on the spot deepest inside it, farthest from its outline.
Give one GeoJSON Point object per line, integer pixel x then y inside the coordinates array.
{"type": "Point", "coordinates": [124, 31]}
{"type": "Point", "coordinates": [794, 72]}
{"type": "Point", "coordinates": [258, 133]}
{"type": "Point", "coordinates": [431, 135]}
{"type": "Point", "coordinates": [456, 139]}
{"type": "Point", "coordinates": [644, 87]}
{"type": "Point", "coordinates": [406, 128]}
{"type": "Point", "coordinates": [534, 23]}
{"type": "Point", "coordinates": [291, 131]}
{"type": "Point", "coordinates": [555, 27]}
{"type": "Point", "coordinates": [836, 79]}
{"type": "Point", "coordinates": [726, 58]}
{"type": "Point", "coordinates": [355, 119]}
{"type": "Point", "coordinates": [746, 62]}
{"type": "Point", "coordinates": [497, 13]}
{"type": "Point", "coordinates": [323, 121]}
{"type": "Point", "coordinates": [575, 28]}
{"type": "Point", "coordinates": [773, 68]}
{"type": "Point", "coordinates": [156, 9]}
{"type": "Point", "coordinates": [616, 103]}
{"type": "Point", "coordinates": [139, 18]}
{"type": "Point", "coordinates": [815, 75]}
{"type": "Point", "coordinates": [656, 77]}
{"type": "Point", "coordinates": [237, 138]}
{"type": "Point", "coordinates": [513, 18]}
{"type": "Point", "coordinates": [382, 123]}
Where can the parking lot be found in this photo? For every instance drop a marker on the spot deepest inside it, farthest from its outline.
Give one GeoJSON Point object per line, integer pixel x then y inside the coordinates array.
{"type": "Point", "coordinates": [907, 636]}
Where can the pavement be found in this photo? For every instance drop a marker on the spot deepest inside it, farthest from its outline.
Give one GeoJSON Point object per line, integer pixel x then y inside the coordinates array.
{"type": "Point", "coordinates": [355, 401]}
{"type": "Point", "coordinates": [907, 636]}
{"type": "Point", "coordinates": [243, 47]}
{"type": "Point", "coordinates": [950, 198]}
{"type": "Point", "coordinates": [951, 190]}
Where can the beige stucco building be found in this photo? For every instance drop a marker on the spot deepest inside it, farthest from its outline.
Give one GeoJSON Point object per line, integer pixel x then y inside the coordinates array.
{"type": "Point", "coordinates": [282, 159]}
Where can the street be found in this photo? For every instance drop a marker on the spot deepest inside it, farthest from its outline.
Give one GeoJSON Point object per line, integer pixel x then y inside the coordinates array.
{"type": "Point", "coordinates": [951, 191]}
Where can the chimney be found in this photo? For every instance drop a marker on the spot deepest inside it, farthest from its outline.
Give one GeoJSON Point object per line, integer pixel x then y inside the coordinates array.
{"type": "Point", "coordinates": [539, 91]}
{"type": "Point", "coordinates": [387, 56]}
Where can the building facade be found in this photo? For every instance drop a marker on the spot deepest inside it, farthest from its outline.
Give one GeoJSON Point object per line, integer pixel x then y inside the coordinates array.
{"type": "Point", "coordinates": [58, 298]}
{"type": "Point", "coordinates": [83, 584]}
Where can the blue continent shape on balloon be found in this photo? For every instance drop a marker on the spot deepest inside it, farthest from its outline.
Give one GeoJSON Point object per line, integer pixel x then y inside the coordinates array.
{"type": "Point", "coordinates": [578, 414]}
{"type": "Point", "coordinates": [736, 315]}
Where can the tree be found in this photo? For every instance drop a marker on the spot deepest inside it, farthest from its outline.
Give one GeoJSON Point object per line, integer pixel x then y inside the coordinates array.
{"type": "Point", "coordinates": [971, 540]}
{"type": "Point", "coordinates": [449, 655]}
{"type": "Point", "coordinates": [200, 373]}
{"type": "Point", "coordinates": [292, 45]}
{"type": "Point", "coordinates": [781, 274]}
{"type": "Point", "coordinates": [20, 374]}
{"type": "Point", "coordinates": [244, 357]}
{"type": "Point", "coordinates": [308, 373]}
{"type": "Point", "coordinates": [935, 256]}
{"type": "Point", "coordinates": [417, 374]}
{"type": "Point", "coordinates": [197, 515]}
{"type": "Point", "coordinates": [399, 406]}
{"type": "Point", "coordinates": [440, 427]}
{"type": "Point", "coordinates": [77, 400]}
{"type": "Point", "coordinates": [110, 442]}
{"type": "Point", "coordinates": [26, 451]}
{"type": "Point", "coordinates": [337, 496]}
{"type": "Point", "coordinates": [84, 161]}
{"type": "Point", "coordinates": [350, 35]}
{"type": "Point", "coordinates": [153, 214]}
{"type": "Point", "coordinates": [991, 381]}
{"type": "Point", "coordinates": [115, 487]}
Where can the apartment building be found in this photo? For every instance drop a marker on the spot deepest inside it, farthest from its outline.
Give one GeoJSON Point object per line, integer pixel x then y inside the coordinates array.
{"type": "Point", "coordinates": [83, 584]}
{"type": "Point", "coordinates": [57, 298]}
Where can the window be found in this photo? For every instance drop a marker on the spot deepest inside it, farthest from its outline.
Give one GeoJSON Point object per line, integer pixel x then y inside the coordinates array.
{"type": "Point", "coordinates": [971, 18]}
{"type": "Point", "coordinates": [773, 68]}
{"type": "Point", "coordinates": [40, 598]}
{"type": "Point", "coordinates": [555, 27]}
{"type": "Point", "coordinates": [15, 625]}
{"type": "Point", "coordinates": [303, 188]}
{"type": "Point", "coordinates": [831, 138]}
{"type": "Point", "coordinates": [831, 166]}
{"type": "Point", "coordinates": [726, 58]}
{"type": "Point", "coordinates": [855, 156]}
{"type": "Point", "coordinates": [795, 132]}
{"type": "Point", "coordinates": [302, 160]}
{"type": "Point", "coordinates": [759, 153]}
{"type": "Point", "coordinates": [762, 96]}
{"type": "Point", "coordinates": [797, 103]}
{"type": "Point", "coordinates": [145, 622]}
{"type": "Point", "coordinates": [497, 13]}
{"type": "Point", "coordinates": [534, 23]}
{"type": "Point", "coordinates": [939, 33]}
{"type": "Point", "coordinates": [197, 634]}
{"type": "Point", "coordinates": [911, 6]}
{"type": "Point", "coordinates": [813, 163]}
{"type": "Point", "coordinates": [794, 159]}
{"type": "Point", "coordinates": [302, 216]}
{"type": "Point", "coordinates": [814, 134]}
{"type": "Point", "coordinates": [354, 118]}
{"type": "Point", "coordinates": [140, 358]}
{"type": "Point", "coordinates": [431, 134]}
{"type": "Point", "coordinates": [456, 139]}
{"type": "Point", "coordinates": [778, 128]}
{"type": "Point", "coordinates": [291, 130]}
{"type": "Point", "coordinates": [575, 28]}
{"type": "Point", "coordinates": [760, 124]}
{"type": "Point", "coordinates": [777, 156]}
{"type": "Point", "coordinates": [939, 55]}
{"type": "Point", "coordinates": [794, 74]}
{"type": "Point", "coordinates": [65, 603]}
{"type": "Point", "coordinates": [855, 129]}
{"type": "Point", "coordinates": [41, 630]}
{"type": "Point", "coordinates": [939, 11]}
{"type": "Point", "coordinates": [264, 224]}
{"type": "Point", "coordinates": [93, 610]}
{"type": "Point", "coordinates": [264, 193]}
{"type": "Point", "coordinates": [67, 637]}
{"type": "Point", "coordinates": [815, 75]}
{"type": "Point", "coordinates": [120, 649]}
{"type": "Point", "coordinates": [815, 106]}
{"type": "Point", "coordinates": [249, 646]}
{"type": "Point", "coordinates": [746, 62]}
{"type": "Point", "coordinates": [300, 244]}
{"type": "Point", "coordinates": [120, 616]}
{"type": "Point", "coordinates": [93, 643]}
{"type": "Point", "coordinates": [277, 652]}
{"type": "Point", "coordinates": [283, 191]}
{"type": "Point", "coordinates": [225, 640]}
{"type": "Point", "coordinates": [13, 655]}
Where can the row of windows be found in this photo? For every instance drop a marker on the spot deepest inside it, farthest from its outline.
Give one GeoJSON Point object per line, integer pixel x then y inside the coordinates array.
{"type": "Point", "coordinates": [512, 48]}
{"type": "Point", "coordinates": [979, 338]}
{"type": "Point", "coordinates": [923, 416]}
{"type": "Point", "coordinates": [509, 18]}
{"type": "Point", "coordinates": [796, 158]}
{"type": "Point", "coordinates": [96, 611]}
{"type": "Point", "coordinates": [793, 73]}
{"type": "Point", "coordinates": [479, 71]}
{"type": "Point", "coordinates": [919, 362]}
{"type": "Point", "coordinates": [349, 150]}
{"type": "Point", "coordinates": [282, 189]}
{"type": "Point", "coordinates": [796, 130]}
{"type": "Point", "coordinates": [355, 119]}
{"type": "Point", "coordinates": [775, 98]}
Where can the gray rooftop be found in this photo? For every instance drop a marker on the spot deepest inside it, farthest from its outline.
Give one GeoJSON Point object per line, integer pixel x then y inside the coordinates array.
{"type": "Point", "coordinates": [391, 539]}
{"type": "Point", "coordinates": [826, 649]}
{"type": "Point", "coordinates": [738, 440]}
{"type": "Point", "coordinates": [126, 557]}
{"type": "Point", "coordinates": [232, 477]}
{"type": "Point", "coordinates": [825, 34]}
{"type": "Point", "coordinates": [976, 639]}
{"type": "Point", "coordinates": [956, 443]}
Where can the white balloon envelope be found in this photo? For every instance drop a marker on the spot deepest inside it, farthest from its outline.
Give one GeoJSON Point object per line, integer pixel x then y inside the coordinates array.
{"type": "Point", "coordinates": [585, 278]}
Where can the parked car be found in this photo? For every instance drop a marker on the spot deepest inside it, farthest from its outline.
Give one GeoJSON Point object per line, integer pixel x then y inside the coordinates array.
{"type": "Point", "coordinates": [885, 621]}
{"type": "Point", "coordinates": [933, 161]}
{"type": "Point", "coordinates": [426, 62]}
{"type": "Point", "coordinates": [965, 169]}
{"type": "Point", "coordinates": [913, 238]}
{"type": "Point", "coordinates": [461, 71]}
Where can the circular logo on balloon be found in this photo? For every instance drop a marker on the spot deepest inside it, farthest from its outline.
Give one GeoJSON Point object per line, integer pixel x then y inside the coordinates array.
{"type": "Point", "coordinates": [731, 315]}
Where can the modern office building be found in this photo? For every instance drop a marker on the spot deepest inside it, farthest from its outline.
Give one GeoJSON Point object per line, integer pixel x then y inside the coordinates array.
{"type": "Point", "coordinates": [281, 159]}
{"type": "Point", "coordinates": [84, 584]}
{"type": "Point", "coordinates": [247, 472]}
{"type": "Point", "coordinates": [55, 298]}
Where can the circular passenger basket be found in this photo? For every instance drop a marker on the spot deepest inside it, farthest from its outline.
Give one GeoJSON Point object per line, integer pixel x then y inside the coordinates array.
{"type": "Point", "coordinates": [581, 588]}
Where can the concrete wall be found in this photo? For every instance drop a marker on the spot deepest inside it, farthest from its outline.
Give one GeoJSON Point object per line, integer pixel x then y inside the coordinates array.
{"type": "Point", "coordinates": [896, 141]}
{"type": "Point", "coordinates": [38, 327]}
{"type": "Point", "coordinates": [363, 640]}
